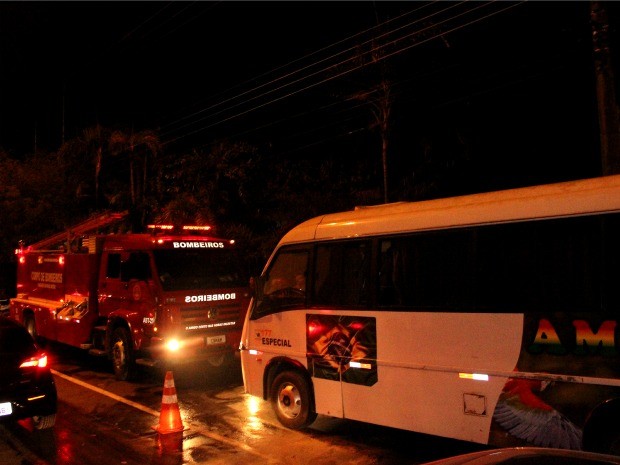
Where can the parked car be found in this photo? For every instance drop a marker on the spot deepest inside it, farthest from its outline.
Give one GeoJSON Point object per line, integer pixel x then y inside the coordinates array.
{"type": "Point", "coordinates": [27, 387]}
{"type": "Point", "coordinates": [529, 456]}
{"type": "Point", "coordinates": [4, 303]}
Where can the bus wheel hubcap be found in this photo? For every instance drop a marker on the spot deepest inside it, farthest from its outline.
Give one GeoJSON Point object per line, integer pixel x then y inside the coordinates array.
{"type": "Point", "coordinates": [289, 401]}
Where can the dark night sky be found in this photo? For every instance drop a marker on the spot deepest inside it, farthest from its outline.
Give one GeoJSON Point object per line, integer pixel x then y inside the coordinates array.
{"type": "Point", "coordinates": [150, 64]}
{"type": "Point", "coordinates": [515, 87]}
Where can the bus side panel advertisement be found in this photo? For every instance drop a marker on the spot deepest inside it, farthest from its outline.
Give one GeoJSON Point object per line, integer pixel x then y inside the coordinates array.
{"type": "Point", "coordinates": [342, 348]}
{"type": "Point", "coordinates": [551, 412]}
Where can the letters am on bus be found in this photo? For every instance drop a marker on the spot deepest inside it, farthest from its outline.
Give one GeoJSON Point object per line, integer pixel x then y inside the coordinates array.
{"type": "Point", "coordinates": [490, 318]}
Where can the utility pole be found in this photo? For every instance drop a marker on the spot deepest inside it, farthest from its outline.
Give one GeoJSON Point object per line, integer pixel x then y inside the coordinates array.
{"type": "Point", "coordinates": [62, 129]}
{"type": "Point", "coordinates": [608, 117]}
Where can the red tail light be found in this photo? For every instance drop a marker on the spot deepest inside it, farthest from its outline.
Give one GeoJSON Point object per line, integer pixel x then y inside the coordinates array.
{"type": "Point", "coordinates": [39, 360]}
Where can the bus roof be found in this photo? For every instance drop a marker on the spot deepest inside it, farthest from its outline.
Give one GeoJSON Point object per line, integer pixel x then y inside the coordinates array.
{"type": "Point", "coordinates": [582, 197]}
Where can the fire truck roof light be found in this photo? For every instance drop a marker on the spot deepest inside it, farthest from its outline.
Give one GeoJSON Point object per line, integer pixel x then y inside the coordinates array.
{"type": "Point", "coordinates": [196, 228]}
{"type": "Point", "coordinates": [170, 227]}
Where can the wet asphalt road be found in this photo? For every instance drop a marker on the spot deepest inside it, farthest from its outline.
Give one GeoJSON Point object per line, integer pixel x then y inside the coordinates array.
{"type": "Point", "coordinates": [104, 421]}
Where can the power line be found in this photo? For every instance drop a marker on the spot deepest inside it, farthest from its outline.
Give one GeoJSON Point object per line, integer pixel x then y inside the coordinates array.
{"type": "Point", "coordinates": [298, 70]}
{"type": "Point", "coordinates": [349, 70]}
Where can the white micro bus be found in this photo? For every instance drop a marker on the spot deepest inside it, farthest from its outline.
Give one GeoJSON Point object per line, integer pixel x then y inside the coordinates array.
{"type": "Point", "coordinates": [490, 318]}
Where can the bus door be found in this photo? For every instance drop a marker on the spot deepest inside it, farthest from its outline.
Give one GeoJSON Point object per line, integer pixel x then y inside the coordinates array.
{"type": "Point", "coordinates": [341, 332]}
{"type": "Point", "coordinates": [286, 327]}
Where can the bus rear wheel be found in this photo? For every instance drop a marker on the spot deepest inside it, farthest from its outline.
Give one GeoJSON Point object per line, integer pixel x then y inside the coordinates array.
{"type": "Point", "coordinates": [607, 442]}
{"type": "Point", "coordinates": [292, 400]}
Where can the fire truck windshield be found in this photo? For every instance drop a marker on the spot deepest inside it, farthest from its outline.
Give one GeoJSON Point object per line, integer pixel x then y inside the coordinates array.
{"type": "Point", "coordinates": [185, 269]}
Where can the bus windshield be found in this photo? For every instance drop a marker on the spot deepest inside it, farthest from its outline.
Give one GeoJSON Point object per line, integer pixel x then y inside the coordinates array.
{"type": "Point", "coordinates": [185, 269]}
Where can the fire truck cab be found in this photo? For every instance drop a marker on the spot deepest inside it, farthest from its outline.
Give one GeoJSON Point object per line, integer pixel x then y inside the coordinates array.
{"type": "Point", "coordinates": [141, 299]}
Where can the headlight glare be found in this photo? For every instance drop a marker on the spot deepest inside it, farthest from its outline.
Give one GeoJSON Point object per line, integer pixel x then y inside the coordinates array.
{"type": "Point", "coordinates": [173, 345]}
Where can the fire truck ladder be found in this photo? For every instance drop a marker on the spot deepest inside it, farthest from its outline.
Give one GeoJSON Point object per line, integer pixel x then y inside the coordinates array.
{"type": "Point", "coordinates": [92, 224]}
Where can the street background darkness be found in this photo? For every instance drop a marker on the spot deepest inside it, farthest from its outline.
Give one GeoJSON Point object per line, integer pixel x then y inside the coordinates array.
{"type": "Point", "coordinates": [483, 96]}
{"type": "Point", "coordinates": [510, 83]}
{"type": "Point", "coordinates": [266, 111]}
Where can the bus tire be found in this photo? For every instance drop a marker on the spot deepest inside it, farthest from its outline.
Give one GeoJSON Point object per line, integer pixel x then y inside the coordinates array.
{"type": "Point", "coordinates": [602, 433]}
{"type": "Point", "coordinates": [608, 442]}
{"type": "Point", "coordinates": [291, 398]}
{"type": "Point", "coordinates": [122, 355]}
{"type": "Point", "coordinates": [613, 443]}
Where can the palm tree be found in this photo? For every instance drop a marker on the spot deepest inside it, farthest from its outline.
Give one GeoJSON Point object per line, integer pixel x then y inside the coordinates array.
{"type": "Point", "coordinates": [91, 145]}
{"type": "Point", "coordinates": [137, 147]}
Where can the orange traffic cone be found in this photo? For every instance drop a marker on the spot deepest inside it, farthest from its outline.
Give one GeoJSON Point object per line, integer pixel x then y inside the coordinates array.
{"type": "Point", "coordinates": [170, 427]}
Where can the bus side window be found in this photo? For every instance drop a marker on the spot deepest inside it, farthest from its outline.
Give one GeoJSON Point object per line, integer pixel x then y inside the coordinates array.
{"type": "Point", "coordinates": [390, 274]}
{"type": "Point", "coordinates": [327, 275]}
{"type": "Point", "coordinates": [343, 274]}
{"type": "Point", "coordinates": [611, 270]}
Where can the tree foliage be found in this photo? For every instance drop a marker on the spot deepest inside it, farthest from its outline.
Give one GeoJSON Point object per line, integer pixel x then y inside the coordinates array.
{"type": "Point", "coordinates": [245, 192]}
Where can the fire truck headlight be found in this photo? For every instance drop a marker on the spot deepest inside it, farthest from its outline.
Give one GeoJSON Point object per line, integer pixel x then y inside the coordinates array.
{"type": "Point", "coordinates": [173, 345]}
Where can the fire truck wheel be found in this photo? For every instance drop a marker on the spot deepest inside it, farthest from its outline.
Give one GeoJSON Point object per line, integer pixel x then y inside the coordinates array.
{"type": "Point", "coordinates": [217, 361]}
{"type": "Point", "coordinates": [122, 356]}
{"type": "Point", "coordinates": [31, 327]}
{"type": "Point", "coordinates": [44, 422]}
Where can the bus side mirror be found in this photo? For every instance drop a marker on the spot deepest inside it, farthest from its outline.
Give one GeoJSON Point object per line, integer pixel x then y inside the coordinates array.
{"type": "Point", "coordinates": [257, 285]}
{"type": "Point", "coordinates": [261, 303]}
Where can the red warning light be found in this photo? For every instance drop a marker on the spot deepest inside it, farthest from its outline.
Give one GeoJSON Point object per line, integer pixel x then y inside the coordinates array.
{"type": "Point", "coordinates": [315, 328]}
{"type": "Point", "coordinates": [356, 325]}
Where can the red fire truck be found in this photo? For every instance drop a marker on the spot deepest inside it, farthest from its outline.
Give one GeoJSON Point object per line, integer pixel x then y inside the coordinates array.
{"type": "Point", "coordinates": [139, 299]}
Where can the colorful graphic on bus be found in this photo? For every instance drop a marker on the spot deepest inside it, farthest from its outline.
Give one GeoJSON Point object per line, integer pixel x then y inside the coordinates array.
{"type": "Point", "coordinates": [342, 348]}
{"type": "Point", "coordinates": [551, 413]}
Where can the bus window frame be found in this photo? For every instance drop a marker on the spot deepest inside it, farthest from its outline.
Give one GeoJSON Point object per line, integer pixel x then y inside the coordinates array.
{"type": "Point", "coordinates": [264, 303]}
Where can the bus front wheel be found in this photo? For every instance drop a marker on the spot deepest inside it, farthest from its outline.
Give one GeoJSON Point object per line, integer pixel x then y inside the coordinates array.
{"type": "Point", "coordinates": [292, 400]}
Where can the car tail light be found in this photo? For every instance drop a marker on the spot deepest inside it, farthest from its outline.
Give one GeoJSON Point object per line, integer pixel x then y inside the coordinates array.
{"type": "Point", "coordinates": [39, 360]}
